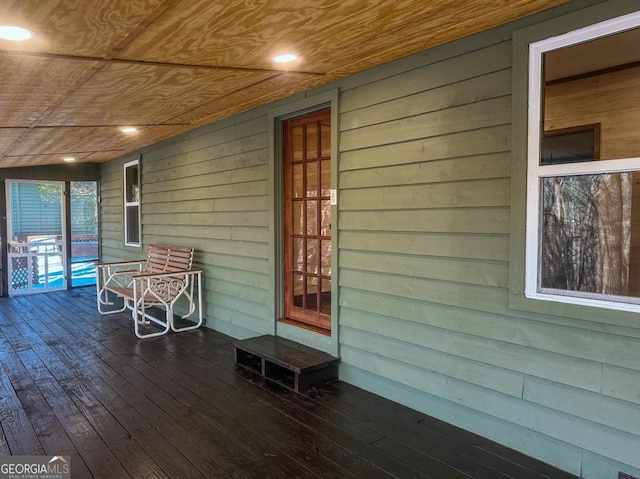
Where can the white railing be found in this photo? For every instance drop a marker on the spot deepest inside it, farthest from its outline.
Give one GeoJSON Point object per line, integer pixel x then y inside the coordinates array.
{"type": "Point", "coordinates": [36, 265]}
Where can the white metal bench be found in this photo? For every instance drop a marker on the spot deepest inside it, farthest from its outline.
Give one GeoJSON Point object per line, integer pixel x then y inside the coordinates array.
{"type": "Point", "coordinates": [164, 278]}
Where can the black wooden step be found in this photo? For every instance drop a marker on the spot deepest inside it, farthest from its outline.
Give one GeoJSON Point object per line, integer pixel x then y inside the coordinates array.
{"type": "Point", "coordinates": [295, 365]}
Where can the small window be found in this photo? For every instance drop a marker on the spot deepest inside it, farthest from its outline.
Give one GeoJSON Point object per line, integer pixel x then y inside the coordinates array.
{"type": "Point", "coordinates": [569, 145]}
{"type": "Point", "coordinates": [132, 203]}
{"type": "Point", "coordinates": [583, 206]}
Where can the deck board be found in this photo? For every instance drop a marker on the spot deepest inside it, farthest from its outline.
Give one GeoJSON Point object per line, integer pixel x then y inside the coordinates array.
{"type": "Point", "coordinates": [76, 383]}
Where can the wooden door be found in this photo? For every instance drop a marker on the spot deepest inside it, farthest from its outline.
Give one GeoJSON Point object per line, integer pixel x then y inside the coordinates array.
{"type": "Point", "coordinates": [307, 248]}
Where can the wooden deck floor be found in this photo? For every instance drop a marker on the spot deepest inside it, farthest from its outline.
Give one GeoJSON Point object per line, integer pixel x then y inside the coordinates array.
{"type": "Point", "coordinates": [75, 383]}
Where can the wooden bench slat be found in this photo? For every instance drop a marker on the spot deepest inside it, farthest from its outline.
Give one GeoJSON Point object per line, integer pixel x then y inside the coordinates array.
{"type": "Point", "coordinates": [167, 258]}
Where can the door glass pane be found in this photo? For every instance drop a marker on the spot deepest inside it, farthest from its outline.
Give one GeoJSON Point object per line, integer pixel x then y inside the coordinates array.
{"type": "Point", "coordinates": [297, 220]}
{"type": "Point", "coordinates": [298, 290]}
{"type": "Point", "coordinates": [312, 256]}
{"type": "Point", "coordinates": [312, 293]}
{"type": "Point", "coordinates": [312, 179]}
{"type": "Point", "coordinates": [297, 142]}
{"type": "Point", "coordinates": [312, 141]}
{"type": "Point", "coordinates": [325, 178]}
{"type": "Point", "coordinates": [84, 232]}
{"type": "Point", "coordinates": [297, 188]}
{"type": "Point", "coordinates": [312, 217]}
{"type": "Point", "coordinates": [325, 218]}
{"type": "Point", "coordinates": [325, 258]}
{"type": "Point", "coordinates": [297, 255]}
{"type": "Point", "coordinates": [325, 138]}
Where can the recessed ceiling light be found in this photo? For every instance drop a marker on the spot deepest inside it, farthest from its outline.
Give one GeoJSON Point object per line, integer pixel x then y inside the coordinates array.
{"type": "Point", "coordinates": [285, 58]}
{"type": "Point", "coordinates": [69, 159]}
{"type": "Point", "coordinates": [15, 34]}
{"type": "Point", "coordinates": [128, 129]}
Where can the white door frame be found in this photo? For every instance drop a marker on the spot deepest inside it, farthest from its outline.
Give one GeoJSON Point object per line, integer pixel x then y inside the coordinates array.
{"type": "Point", "coordinates": [36, 259]}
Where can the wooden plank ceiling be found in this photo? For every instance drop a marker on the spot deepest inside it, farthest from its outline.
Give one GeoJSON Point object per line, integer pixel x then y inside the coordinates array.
{"type": "Point", "coordinates": [169, 66]}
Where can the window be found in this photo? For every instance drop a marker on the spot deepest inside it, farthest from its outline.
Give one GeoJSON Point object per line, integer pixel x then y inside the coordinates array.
{"type": "Point", "coordinates": [567, 145]}
{"type": "Point", "coordinates": [132, 203]}
{"type": "Point", "coordinates": [583, 185]}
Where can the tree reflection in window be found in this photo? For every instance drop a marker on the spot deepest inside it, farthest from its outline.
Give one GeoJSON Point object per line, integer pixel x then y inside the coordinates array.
{"type": "Point", "coordinates": [586, 233]}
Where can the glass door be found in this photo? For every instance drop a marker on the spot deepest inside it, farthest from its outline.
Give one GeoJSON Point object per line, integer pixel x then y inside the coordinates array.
{"type": "Point", "coordinates": [84, 232]}
{"type": "Point", "coordinates": [307, 225]}
{"type": "Point", "coordinates": [36, 232]}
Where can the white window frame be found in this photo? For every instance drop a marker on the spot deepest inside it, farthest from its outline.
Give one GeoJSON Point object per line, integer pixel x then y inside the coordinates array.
{"type": "Point", "coordinates": [128, 204]}
{"type": "Point", "coordinates": [536, 172]}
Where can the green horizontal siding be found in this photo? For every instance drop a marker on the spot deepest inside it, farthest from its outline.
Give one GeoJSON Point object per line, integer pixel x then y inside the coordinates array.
{"type": "Point", "coordinates": [484, 114]}
{"type": "Point", "coordinates": [492, 273]}
{"type": "Point", "coordinates": [467, 344]}
{"type": "Point", "coordinates": [458, 169]}
{"type": "Point", "coordinates": [488, 55]}
{"type": "Point", "coordinates": [425, 178]}
{"type": "Point", "coordinates": [428, 361]}
{"type": "Point", "coordinates": [472, 193]}
{"type": "Point", "coordinates": [553, 451]}
{"type": "Point", "coordinates": [622, 383]}
{"type": "Point", "coordinates": [485, 246]}
{"type": "Point", "coordinates": [490, 140]}
{"type": "Point", "coordinates": [609, 442]}
{"type": "Point", "coordinates": [208, 190]}
{"type": "Point", "coordinates": [449, 220]}
{"type": "Point", "coordinates": [425, 242]}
